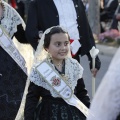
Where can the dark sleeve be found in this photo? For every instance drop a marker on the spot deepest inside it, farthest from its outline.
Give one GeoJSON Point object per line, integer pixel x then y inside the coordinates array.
{"type": "Point", "coordinates": [118, 117]}
{"type": "Point", "coordinates": [81, 93]}
{"type": "Point", "coordinates": [20, 34]}
{"type": "Point", "coordinates": [32, 25]}
{"type": "Point", "coordinates": [32, 99]}
{"type": "Point", "coordinates": [113, 5]}
{"type": "Point", "coordinates": [97, 61]}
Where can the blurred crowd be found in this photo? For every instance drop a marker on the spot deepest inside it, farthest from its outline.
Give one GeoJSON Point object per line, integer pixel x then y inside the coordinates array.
{"type": "Point", "coordinates": [109, 16]}
{"type": "Point", "coordinates": [109, 19]}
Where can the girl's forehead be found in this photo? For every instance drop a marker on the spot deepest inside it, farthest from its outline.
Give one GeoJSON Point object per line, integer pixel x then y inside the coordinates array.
{"type": "Point", "coordinates": [59, 36]}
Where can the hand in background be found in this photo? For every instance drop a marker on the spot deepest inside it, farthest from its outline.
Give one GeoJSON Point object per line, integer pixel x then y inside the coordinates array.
{"type": "Point", "coordinates": [118, 16]}
{"type": "Point", "coordinates": [94, 72]}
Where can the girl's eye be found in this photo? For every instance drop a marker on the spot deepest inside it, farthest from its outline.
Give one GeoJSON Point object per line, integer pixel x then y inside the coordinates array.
{"type": "Point", "coordinates": [66, 43]}
{"type": "Point", "coordinates": [58, 44]}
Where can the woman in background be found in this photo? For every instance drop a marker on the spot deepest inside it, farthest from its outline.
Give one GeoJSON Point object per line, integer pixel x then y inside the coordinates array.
{"type": "Point", "coordinates": [12, 77]}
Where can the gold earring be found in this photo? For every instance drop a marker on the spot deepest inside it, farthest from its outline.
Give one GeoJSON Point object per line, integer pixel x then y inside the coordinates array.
{"type": "Point", "coordinates": [49, 56]}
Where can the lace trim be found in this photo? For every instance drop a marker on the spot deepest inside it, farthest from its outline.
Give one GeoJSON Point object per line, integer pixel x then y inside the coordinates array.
{"type": "Point", "coordinates": [73, 71]}
{"type": "Point", "coordinates": [10, 19]}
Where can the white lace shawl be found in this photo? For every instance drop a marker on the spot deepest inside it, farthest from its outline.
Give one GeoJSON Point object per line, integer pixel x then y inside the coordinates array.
{"type": "Point", "coordinates": [106, 103]}
{"type": "Point", "coordinates": [73, 71]}
{"type": "Point", "coordinates": [10, 19]}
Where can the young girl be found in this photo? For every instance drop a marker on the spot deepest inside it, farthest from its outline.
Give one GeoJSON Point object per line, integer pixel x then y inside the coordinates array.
{"type": "Point", "coordinates": [54, 47]}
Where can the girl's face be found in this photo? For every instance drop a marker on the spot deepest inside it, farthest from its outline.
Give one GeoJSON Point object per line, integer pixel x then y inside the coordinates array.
{"type": "Point", "coordinates": [59, 46]}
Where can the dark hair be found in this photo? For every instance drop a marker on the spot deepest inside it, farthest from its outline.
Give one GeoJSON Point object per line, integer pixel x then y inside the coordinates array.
{"type": "Point", "coordinates": [53, 31]}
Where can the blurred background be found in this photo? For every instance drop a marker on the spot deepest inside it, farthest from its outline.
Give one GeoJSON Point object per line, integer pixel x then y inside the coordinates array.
{"type": "Point", "coordinates": [103, 17]}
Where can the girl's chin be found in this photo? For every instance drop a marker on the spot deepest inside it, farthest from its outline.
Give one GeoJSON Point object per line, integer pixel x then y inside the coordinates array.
{"type": "Point", "coordinates": [61, 58]}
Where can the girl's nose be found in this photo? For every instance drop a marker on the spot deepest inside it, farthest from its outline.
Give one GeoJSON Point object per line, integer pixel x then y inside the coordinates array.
{"type": "Point", "coordinates": [63, 47]}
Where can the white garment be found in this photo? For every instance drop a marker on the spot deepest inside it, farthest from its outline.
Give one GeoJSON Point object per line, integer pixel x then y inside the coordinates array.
{"type": "Point", "coordinates": [73, 71]}
{"type": "Point", "coordinates": [11, 19]}
{"type": "Point", "coordinates": [68, 17]}
{"type": "Point", "coordinates": [106, 102]}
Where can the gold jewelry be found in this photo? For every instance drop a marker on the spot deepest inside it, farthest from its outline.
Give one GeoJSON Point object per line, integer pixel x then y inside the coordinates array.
{"type": "Point", "coordinates": [64, 77]}
{"type": "Point", "coordinates": [49, 56]}
{"type": "Point", "coordinates": [59, 65]}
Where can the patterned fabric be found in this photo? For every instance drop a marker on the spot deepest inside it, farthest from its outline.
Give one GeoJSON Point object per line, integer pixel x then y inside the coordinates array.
{"type": "Point", "coordinates": [10, 19]}
{"type": "Point", "coordinates": [57, 110]}
{"type": "Point", "coordinates": [12, 83]}
{"type": "Point", "coordinates": [73, 71]}
{"type": "Point", "coordinates": [12, 78]}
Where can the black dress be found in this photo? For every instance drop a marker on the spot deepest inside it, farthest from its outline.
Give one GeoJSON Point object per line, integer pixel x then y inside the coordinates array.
{"type": "Point", "coordinates": [50, 108]}
{"type": "Point", "coordinates": [12, 81]}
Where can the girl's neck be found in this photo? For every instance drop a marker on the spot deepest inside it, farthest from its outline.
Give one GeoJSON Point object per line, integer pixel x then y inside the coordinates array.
{"type": "Point", "coordinates": [58, 64]}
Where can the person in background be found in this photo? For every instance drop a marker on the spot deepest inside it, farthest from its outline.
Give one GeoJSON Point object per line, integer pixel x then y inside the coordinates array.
{"type": "Point", "coordinates": [118, 16]}
{"type": "Point", "coordinates": [107, 11]}
{"type": "Point", "coordinates": [114, 30]}
{"type": "Point", "coordinates": [47, 13]}
{"type": "Point", "coordinates": [13, 3]}
{"type": "Point", "coordinates": [12, 76]}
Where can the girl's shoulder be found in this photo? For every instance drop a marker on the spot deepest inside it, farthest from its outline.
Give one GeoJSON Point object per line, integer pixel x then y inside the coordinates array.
{"type": "Point", "coordinates": [73, 63]}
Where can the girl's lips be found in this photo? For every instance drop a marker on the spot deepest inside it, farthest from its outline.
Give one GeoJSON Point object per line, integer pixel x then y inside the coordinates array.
{"type": "Point", "coordinates": [62, 53]}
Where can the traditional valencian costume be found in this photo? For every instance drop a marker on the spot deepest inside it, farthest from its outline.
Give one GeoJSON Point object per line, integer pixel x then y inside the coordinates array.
{"type": "Point", "coordinates": [57, 96]}
{"type": "Point", "coordinates": [12, 64]}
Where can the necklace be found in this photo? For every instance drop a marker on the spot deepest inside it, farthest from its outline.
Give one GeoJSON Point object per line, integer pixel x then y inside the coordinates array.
{"type": "Point", "coordinates": [64, 77]}
{"type": "Point", "coordinates": [59, 65]}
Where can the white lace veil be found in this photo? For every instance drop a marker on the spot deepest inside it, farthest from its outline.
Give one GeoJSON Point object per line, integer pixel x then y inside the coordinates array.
{"type": "Point", "coordinates": [106, 102]}
{"type": "Point", "coordinates": [40, 55]}
{"type": "Point", "coordinates": [10, 20]}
